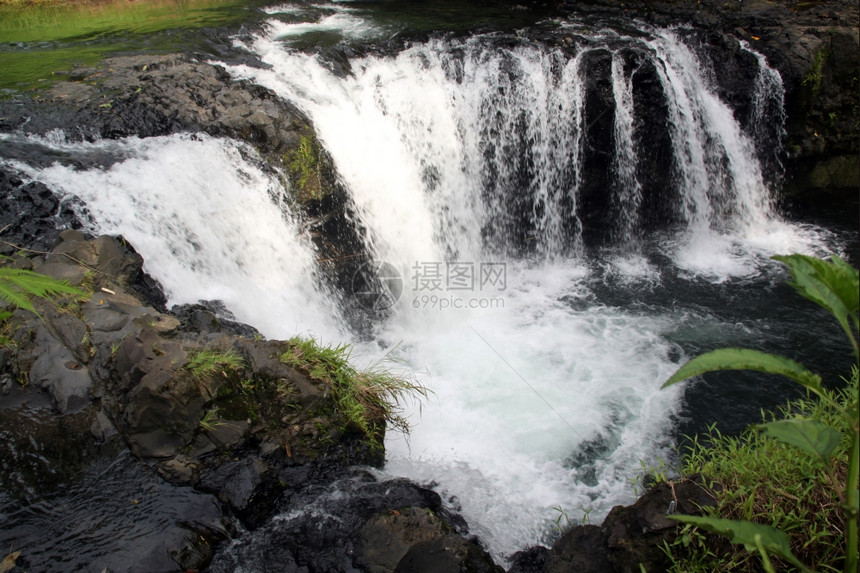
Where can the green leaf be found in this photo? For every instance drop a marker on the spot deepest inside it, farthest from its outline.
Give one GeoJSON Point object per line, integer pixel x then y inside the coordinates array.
{"type": "Point", "coordinates": [746, 359]}
{"type": "Point", "coordinates": [10, 293]}
{"type": "Point", "coordinates": [17, 286]}
{"type": "Point", "coordinates": [811, 436]}
{"type": "Point", "coordinates": [751, 535]}
{"type": "Point", "coordinates": [833, 284]}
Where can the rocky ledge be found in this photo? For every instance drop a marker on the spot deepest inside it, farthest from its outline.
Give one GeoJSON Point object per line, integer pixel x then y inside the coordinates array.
{"type": "Point", "coordinates": [92, 375]}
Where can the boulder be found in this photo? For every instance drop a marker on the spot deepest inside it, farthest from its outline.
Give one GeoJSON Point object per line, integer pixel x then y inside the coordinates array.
{"type": "Point", "coordinates": [630, 536]}
{"type": "Point", "coordinates": [357, 523]}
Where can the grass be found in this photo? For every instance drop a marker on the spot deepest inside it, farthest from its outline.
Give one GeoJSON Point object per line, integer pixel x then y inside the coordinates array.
{"type": "Point", "coordinates": [205, 363]}
{"type": "Point", "coordinates": [47, 39]}
{"type": "Point", "coordinates": [368, 399]}
{"type": "Point", "coordinates": [760, 479]}
{"type": "Point", "coordinates": [210, 420]}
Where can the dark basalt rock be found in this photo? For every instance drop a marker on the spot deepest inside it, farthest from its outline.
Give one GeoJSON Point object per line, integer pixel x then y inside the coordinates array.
{"type": "Point", "coordinates": [211, 316]}
{"type": "Point", "coordinates": [630, 536]}
{"type": "Point", "coordinates": [357, 523]}
{"type": "Point", "coordinates": [31, 216]}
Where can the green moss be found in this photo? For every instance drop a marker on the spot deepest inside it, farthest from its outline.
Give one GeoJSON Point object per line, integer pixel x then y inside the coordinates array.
{"type": "Point", "coordinates": [815, 75]}
{"type": "Point", "coordinates": [303, 166]}
{"type": "Point", "coordinates": [6, 330]}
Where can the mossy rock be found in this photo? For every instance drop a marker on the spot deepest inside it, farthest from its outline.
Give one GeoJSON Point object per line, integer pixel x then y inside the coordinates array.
{"type": "Point", "coordinates": [304, 166]}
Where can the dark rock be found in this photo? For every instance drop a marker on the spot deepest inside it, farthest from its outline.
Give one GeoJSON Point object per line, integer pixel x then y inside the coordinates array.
{"type": "Point", "coordinates": [180, 470]}
{"type": "Point", "coordinates": [532, 560]}
{"type": "Point", "coordinates": [582, 549]}
{"type": "Point", "coordinates": [387, 538]}
{"type": "Point", "coordinates": [450, 554]}
{"type": "Point", "coordinates": [160, 406]}
{"type": "Point", "coordinates": [31, 216]}
{"type": "Point", "coordinates": [59, 368]}
{"type": "Point", "coordinates": [249, 487]}
{"type": "Point", "coordinates": [211, 316]}
{"type": "Point", "coordinates": [630, 536]}
{"type": "Point", "coordinates": [356, 522]}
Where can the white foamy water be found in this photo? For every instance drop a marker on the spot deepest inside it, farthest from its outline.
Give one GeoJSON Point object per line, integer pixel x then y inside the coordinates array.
{"type": "Point", "coordinates": [518, 390]}
{"type": "Point", "coordinates": [210, 225]}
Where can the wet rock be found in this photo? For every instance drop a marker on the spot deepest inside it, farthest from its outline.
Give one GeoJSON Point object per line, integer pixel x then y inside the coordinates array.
{"type": "Point", "coordinates": [211, 316]}
{"type": "Point", "coordinates": [358, 523]}
{"type": "Point", "coordinates": [180, 470]}
{"type": "Point", "coordinates": [417, 540]}
{"type": "Point", "coordinates": [60, 361]}
{"type": "Point", "coordinates": [531, 560]}
{"type": "Point", "coordinates": [31, 216]}
{"type": "Point", "coordinates": [450, 554]}
{"type": "Point", "coordinates": [161, 406]}
{"type": "Point", "coordinates": [582, 549]}
{"type": "Point", "coordinates": [248, 486]}
{"type": "Point", "coordinates": [630, 535]}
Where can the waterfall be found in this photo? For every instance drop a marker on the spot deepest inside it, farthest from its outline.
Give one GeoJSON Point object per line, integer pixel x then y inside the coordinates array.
{"type": "Point", "coordinates": [458, 153]}
{"type": "Point", "coordinates": [476, 166]}
{"type": "Point", "coordinates": [628, 194]}
{"type": "Point", "coordinates": [211, 224]}
{"type": "Point", "coordinates": [458, 148]}
{"type": "Point", "coordinates": [767, 124]}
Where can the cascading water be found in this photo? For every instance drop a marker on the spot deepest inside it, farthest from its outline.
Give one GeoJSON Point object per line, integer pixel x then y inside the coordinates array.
{"type": "Point", "coordinates": [628, 194]}
{"type": "Point", "coordinates": [459, 154]}
{"type": "Point", "coordinates": [211, 224]}
{"type": "Point", "coordinates": [471, 165]}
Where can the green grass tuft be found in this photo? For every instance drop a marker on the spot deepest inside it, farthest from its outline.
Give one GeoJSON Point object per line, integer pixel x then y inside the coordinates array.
{"type": "Point", "coordinates": [205, 363]}
{"type": "Point", "coordinates": [368, 399]}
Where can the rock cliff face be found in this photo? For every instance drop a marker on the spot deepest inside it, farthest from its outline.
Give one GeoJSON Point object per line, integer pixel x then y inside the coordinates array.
{"type": "Point", "coordinates": [815, 46]}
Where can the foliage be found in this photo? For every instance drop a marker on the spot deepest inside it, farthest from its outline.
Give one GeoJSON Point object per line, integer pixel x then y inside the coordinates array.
{"type": "Point", "coordinates": [368, 399]}
{"type": "Point", "coordinates": [816, 72]}
{"type": "Point", "coordinates": [797, 495]}
{"type": "Point", "coordinates": [210, 421]}
{"type": "Point", "coordinates": [828, 442]}
{"type": "Point", "coordinates": [204, 363]}
{"type": "Point", "coordinates": [18, 287]}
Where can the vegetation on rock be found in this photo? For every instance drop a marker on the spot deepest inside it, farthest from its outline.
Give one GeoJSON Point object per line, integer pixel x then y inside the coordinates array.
{"type": "Point", "coordinates": [19, 287]}
{"type": "Point", "coordinates": [304, 168]}
{"type": "Point", "coordinates": [788, 487]}
{"type": "Point", "coordinates": [208, 362]}
{"type": "Point", "coordinates": [369, 399]}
